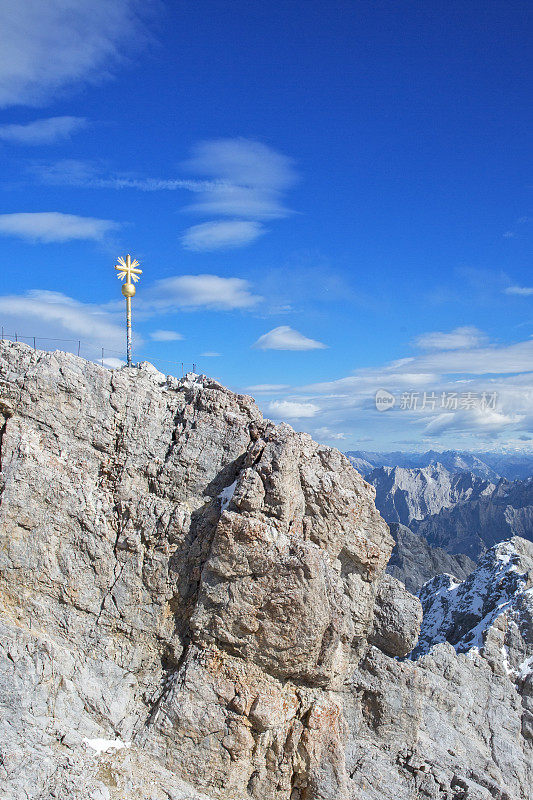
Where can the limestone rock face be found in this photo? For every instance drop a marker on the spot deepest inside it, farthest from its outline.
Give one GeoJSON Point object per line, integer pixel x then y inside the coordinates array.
{"type": "Point", "coordinates": [397, 618]}
{"type": "Point", "coordinates": [193, 607]}
{"type": "Point", "coordinates": [178, 574]}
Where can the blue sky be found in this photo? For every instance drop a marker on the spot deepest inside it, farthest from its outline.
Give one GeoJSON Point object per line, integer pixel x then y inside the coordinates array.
{"type": "Point", "coordinates": [334, 197]}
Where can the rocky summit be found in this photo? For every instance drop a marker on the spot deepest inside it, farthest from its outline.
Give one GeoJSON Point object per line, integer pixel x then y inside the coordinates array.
{"type": "Point", "coordinates": [194, 606]}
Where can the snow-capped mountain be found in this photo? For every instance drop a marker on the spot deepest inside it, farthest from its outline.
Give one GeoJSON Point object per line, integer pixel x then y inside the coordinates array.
{"type": "Point", "coordinates": [490, 611]}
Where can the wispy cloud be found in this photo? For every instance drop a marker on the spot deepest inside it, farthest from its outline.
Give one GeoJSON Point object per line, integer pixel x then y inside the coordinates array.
{"type": "Point", "coordinates": [345, 408]}
{"type": "Point", "coordinates": [42, 131]}
{"type": "Point", "coordinates": [488, 421]}
{"type": "Point", "coordinates": [96, 175]}
{"type": "Point", "coordinates": [267, 388]}
{"type": "Point", "coordinates": [510, 234]}
{"type": "Point", "coordinates": [210, 354]}
{"type": "Point", "coordinates": [458, 339]}
{"type": "Point", "coordinates": [199, 291]}
{"type": "Point", "coordinates": [55, 315]}
{"type": "Point", "coordinates": [49, 46]}
{"type": "Point", "coordinates": [238, 178]}
{"type": "Point", "coordinates": [290, 409]}
{"type": "Point", "coordinates": [165, 336]}
{"type": "Point", "coordinates": [524, 291]}
{"type": "Point", "coordinates": [53, 226]}
{"type": "Point", "coordinates": [250, 177]}
{"type": "Point", "coordinates": [221, 235]}
{"type": "Point", "coordinates": [247, 181]}
{"type": "Point", "coordinates": [286, 338]}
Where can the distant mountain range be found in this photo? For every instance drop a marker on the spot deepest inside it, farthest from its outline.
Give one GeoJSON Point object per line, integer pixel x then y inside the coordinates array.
{"type": "Point", "coordinates": [446, 509]}
{"type": "Point", "coordinates": [405, 495]}
{"type": "Point", "coordinates": [490, 466]}
{"type": "Point", "coordinates": [473, 525]}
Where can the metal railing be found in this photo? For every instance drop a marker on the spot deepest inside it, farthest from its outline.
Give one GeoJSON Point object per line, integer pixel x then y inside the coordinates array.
{"type": "Point", "coordinates": [90, 351]}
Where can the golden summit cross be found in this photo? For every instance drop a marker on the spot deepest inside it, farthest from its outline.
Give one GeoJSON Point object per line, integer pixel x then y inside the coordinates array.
{"type": "Point", "coordinates": [127, 268]}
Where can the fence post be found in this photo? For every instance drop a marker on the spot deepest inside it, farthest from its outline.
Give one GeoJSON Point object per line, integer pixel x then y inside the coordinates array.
{"type": "Point", "coordinates": [102, 356]}
{"type": "Point", "coordinates": [2, 333]}
{"type": "Point", "coordinates": [79, 345]}
{"type": "Point", "coordinates": [34, 343]}
{"type": "Point", "coordinates": [16, 337]}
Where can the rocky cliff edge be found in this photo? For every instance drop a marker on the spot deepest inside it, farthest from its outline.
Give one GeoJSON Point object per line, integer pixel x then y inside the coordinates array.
{"type": "Point", "coordinates": [193, 606]}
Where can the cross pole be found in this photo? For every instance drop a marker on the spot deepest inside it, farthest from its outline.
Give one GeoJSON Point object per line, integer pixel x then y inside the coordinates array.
{"type": "Point", "coordinates": [127, 268]}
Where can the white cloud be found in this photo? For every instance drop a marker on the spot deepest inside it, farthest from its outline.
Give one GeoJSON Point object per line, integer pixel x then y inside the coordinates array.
{"type": "Point", "coordinates": [267, 388]}
{"type": "Point", "coordinates": [42, 131]}
{"type": "Point", "coordinates": [520, 290]}
{"type": "Point", "coordinates": [165, 336]}
{"type": "Point", "coordinates": [347, 405]}
{"type": "Point", "coordinates": [221, 235]}
{"type": "Point", "coordinates": [94, 175]}
{"type": "Point", "coordinates": [246, 180]}
{"type": "Point", "coordinates": [289, 409]}
{"type": "Point", "coordinates": [502, 359]}
{"type": "Point", "coordinates": [53, 315]}
{"type": "Point", "coordinates": [473, 420]}
{"type": "Point", "coordinates": [114, 363]}
{"type": "Point", "coordinates": [53, 226]}
{"type": "Point", "coordinates": [458, 339]}
{"type": "Point", "coordinates": [200, 291]}
{"type": "Point", "coordinates": [250, 176]}
{"type": "Point", "coordinates": [47, 46]}
{"type": "Point", "coordinates": [238, 178]}
{"type": "Point", "coordinates": [210, 354]}
{"type": "Point", "coordinates": [286, 338]}
{"type": "Point", "coordinates": [327, 433]}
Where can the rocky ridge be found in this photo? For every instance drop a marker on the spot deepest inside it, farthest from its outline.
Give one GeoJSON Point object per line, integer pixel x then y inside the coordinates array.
{"type": "Point", "coordinates": [490, 611]}
{"type": "Point", "coordinates": [409, 495]}
{"type": "Point", "coordinates": [483, 465]}
{"type": "Point", "coordinates": [489, 466]}
{"type": "Point", "coordinates": [472, 527]}
{"type": "Point", "coordinates": [194, 605]}
{"type": "Point", "coordinates": [414, 561]}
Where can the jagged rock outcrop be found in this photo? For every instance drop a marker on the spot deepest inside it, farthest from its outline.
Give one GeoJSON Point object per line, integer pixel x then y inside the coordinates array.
{"type": "Point", "coordinates": [397, 618]}
{"type": "Point", "coordinates": [405, 495]}
{"type": "Point", "coordinates": [192, 606]}
{"type": "Point", "coordinates": [471, 527]}
{"type": "Point", "coordinates": [150, 603]}
{"type": "Point", "coordinates": [414, 561]}
{"type": "Point", "coordinates": [491, 611]}
{"type": "Point", "coordinates": [462, 612]}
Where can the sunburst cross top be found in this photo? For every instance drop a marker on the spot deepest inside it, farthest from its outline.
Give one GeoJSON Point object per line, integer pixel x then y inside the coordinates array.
{"type": "Point", "coordinates": [128, 269]}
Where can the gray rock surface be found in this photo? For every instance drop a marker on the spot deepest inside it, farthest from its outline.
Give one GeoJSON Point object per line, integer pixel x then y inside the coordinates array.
{"type": "Point", "coordinates": [187, 593]}
{"type": "Point", "coordinates": [397, 618]}
{"type": "Point", "coordinates": [414, 561]}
